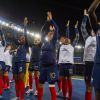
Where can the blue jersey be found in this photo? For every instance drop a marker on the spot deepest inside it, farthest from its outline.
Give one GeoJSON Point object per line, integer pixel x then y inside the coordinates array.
{"type": "Point", "coordinates": [21, 53]}
{"type": "Point", "coordinates": [48, 49]}
{"type": "Point", "coordinates": [35, 56]}
{"type": "Point", "coordinates": [22, 48]}
{"type": "Point", "coordinates": [97, 56]}
{"type": "Point", "coordinates": [48, 54]}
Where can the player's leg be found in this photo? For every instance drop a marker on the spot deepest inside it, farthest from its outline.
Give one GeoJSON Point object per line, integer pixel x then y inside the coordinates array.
{"type": "Point", "coordinates": [52, 91]}
{"type": "Point", "coordinates": [64, 87]}
{"type": "Point", "coordinates": [96, 81]}
{"type": "Point", "coordinates": [15, 73]}
{"type": "Point", "coordinates": [31, 71]}
{"type": "Point", "coordinates": [64, 80]}
{"type": "Point", "coordinates": [59, 83]}
{"type": "Point", "coordinates": [21, 76]}
{"type": "Point", "coordinates": [93, 6]}
{"type": "Point", "coordinates": [16, 85]}
{"type": "Point", "coordinates": [1, 77]}
{"type": "Point", "coordinates": [27, 75]}
{"type": "Point", "coordinates": [22, 85]}
{"type": "Point", "coordinates": [40, 91]}
{"type": "Point", "coordinates": [69, 80]}
{"type": "Point", "coordinates": [36, 77]}
{"type": "Point", "coordinates": [42, 80]}
{"type": "Point", "coordinates": [88, 74]}
{"type": "Point", "coordinates": [59, 86]}
{"type": "Point", "coordinates": [6, 80]}
{"type": "Point", "coordinates": [52, 77]}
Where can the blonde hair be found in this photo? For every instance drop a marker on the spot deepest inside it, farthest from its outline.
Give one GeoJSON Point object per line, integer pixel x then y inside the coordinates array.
{"type": "Point", "coordinates": [67, 41]}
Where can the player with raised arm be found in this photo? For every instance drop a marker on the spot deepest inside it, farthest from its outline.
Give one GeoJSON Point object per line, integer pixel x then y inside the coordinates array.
{"type": "Point", "coordinates": [66, 61]}
{"type": "Point", "coordinates": [89, 54]}
{"type": "Point", "coordinates": [48, 66]}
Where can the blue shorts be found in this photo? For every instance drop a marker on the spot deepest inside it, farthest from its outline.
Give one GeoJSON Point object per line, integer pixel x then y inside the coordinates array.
{"type": "Point", "coordinates": [34, 66]}
{"type": "Point", "coordinates": [20, 67]}
{"type": "Point", "coordinates": [96, 76]}
{"type": "Point", "coordinates": [48, 74]}
{"type": "Point", "coordinates": [66, 70]}
{"type": "Point", "coordinates": [88, 71]}
{"type": "Point", "coordinates": [2, 66]}
{"type": "Point", "coordinates": [7, 68]}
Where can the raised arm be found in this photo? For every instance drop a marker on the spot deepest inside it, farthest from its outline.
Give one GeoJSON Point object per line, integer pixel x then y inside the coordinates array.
{"type": "Point", "coordinates": [94, 23]}
{"type": "Point", "coordinates": [93, 17]}
{"type": "Point", "coordinates": [77, 35]}
{"type": "Point", "coordinates": [67, 29]}
{"type": "Point", "coordinates": [93, 6]}
{"type": "Point", "coordinates": [44, 28]}
{"type": "Point", "coordinates": [3, 38]}
{"type": "Point", "coordinates": [25, 29]}
{"type": "Point", "coordinates": [83, 26]}
{"type": "Point", "coordinates": [55, 27]}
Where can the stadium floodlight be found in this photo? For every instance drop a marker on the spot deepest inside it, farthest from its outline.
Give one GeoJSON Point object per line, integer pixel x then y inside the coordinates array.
{"type": "Point", "coordinates": [78, 46]}
{"type": "Point", "coordinates": [3, 23]}
{"type": "Point", "coordinates": [6, 24]}
{"type": "Point", "coordinates": [28, 32]}
{"type": "Point", "coordinates": [46, 38]}
{"type": "Point", "coordinates": [32, 34]}
{"type": "Point", "coordinates": [17, 28]}
{"type": "Point", "coordinates": [0, 21]}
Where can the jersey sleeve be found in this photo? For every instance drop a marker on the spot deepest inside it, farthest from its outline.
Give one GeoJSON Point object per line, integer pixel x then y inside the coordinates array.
{"type": "Point", "coordinates": [83, 28]}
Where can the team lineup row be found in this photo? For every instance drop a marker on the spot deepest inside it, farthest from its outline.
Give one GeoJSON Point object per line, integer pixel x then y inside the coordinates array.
{"type": "Point", "coordinates": [50, 60]}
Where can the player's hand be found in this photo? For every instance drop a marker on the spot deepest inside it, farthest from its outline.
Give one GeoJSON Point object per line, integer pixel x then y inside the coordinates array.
{"type": "Point", "coordinates": [68, 23]}
{"type": "Point", "coordinates": [25, 21]}
{"type": "Point", "coordinates": [52, 28]}
{"type": "Point", "coordinates": [49, 16]}
{"type": "Point", "coordinates": [76, 25]}
{"type": "Point", "coordinates": [86, 13]}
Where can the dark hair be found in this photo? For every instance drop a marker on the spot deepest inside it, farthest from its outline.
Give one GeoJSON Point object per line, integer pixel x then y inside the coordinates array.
{"type": "Point", "coordinates": [21, 36]}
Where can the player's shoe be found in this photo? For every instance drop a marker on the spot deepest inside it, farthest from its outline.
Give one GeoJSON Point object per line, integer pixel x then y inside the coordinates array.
{"type": "Point", "coordinates": [59, 92]}
{"type": "Point", "coordinates": [36, 93]}
{"type": "Point", "coordinates": [29, 91]}
{"type": "Point", "coordinates": [16, 98]}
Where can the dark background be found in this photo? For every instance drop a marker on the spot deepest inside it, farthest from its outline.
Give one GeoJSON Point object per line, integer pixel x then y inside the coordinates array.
{"type": "Point", "coordinates": [35, 10]}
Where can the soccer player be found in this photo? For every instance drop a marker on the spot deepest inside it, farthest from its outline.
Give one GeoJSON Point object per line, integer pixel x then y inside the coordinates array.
{"type": "Point", "coordinates": [8, 65]}
{"type": "Point", "coordinates": [66, 61]}
{"type": "Point", "coordinates": [34, 64]}
{"type": "Point", "coordinates": [89, 54]}
{"type": "Point", "coordinates": [48, 66]}
{"type": "Point", "coordinates": [2, 60]}
{"type": "Point", "coordinates": [20, 63]}
{"type": "Point", "coordinates": [96, 27]}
